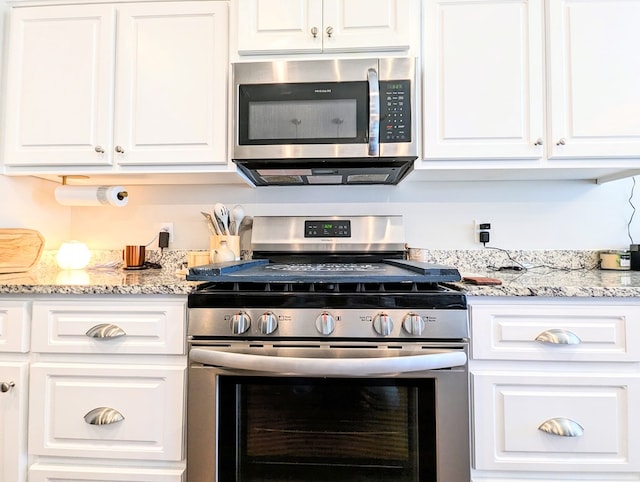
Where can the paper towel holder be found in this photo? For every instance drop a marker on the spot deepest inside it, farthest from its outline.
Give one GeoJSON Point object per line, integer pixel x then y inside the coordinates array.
{"type": "Point", "coordinates": [90, 195]}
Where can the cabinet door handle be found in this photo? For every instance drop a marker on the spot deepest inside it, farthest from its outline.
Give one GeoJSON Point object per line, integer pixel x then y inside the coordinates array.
{"type": "Point", "coordinates": [329, 31]}
{"type": "Point", "coordinates": [105, 331]}
{"type": "Point", "coordinates": [99, 149]}
{"type": "Point", "coordinates": [563, 427]}
{"type": "Point", "coordinates": [538, 142]}
{"type": "Point", "coordinates": [103, 416]}
{"type": "Point", "coordinates": [119, 149]}
{"type": "Point", "coordinates": [314, 31]}
{"type": "Point", "coordinates": [6, 386]}
{"type": "Point", "coordinates": [558, 336]}
{"type": "Point", "coordinates": [561, 142]}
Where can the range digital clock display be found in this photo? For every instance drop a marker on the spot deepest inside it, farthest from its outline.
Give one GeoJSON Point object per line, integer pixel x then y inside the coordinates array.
{"type": "Point", "coordinates": [327, 229]}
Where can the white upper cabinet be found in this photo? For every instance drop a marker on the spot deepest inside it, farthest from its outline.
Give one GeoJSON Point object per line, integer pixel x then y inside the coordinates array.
{"type": "Point", "coordinates": [171, 83]}
{"type": "Point", "coordinates": [314, 26]}
{"type": "Point", "coordinates": [116, 85]}
{"type": "Point", "coordinates": [59, 85]}
{"type": "Point", "coordinates": [547, 88]}
{"type": "Point", "coordinates": [483, 79]}
{"type": "Point", "coordinates": [594, 78]}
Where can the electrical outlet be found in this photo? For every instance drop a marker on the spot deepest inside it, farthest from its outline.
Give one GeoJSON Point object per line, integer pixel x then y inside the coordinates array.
{"type": "Point", "coordinates": [481, 232]}
{"type": "Point", "coordinates": [167, 228]}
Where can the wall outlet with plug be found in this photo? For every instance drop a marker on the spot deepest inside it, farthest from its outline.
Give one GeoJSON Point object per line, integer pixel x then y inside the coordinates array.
{"type": "Point", "coordinates": [481, 232]}
{"type": "Point", "coordinates": [163, 239]}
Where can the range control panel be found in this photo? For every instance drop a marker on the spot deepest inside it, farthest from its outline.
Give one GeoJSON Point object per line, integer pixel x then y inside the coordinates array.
{"type": "Point", "coordinates": [327, 229]}
{"type": "Point", "coordinates": [395, 111]}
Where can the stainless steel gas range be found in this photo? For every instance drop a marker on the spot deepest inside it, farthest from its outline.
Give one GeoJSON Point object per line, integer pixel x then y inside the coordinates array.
{"type": "Point", "coordinates": [327, 357]}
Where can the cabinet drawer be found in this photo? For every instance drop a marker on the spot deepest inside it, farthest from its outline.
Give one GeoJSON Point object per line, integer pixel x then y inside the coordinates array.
{"type": "Point", "coordinates": [573, 333]}
{"type": "Point", "coordinates": [14, 326]}
{"type": "Point", "coordinates": [148, 399]}
{"type": "Point", "coordinates": [60, 473]}
{"type": "Point", "coordinates": [510, 410]}
{"type": "Point", "coordinates": [123, 327]}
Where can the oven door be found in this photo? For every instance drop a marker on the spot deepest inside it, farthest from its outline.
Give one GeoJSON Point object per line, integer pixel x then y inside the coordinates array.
{"type": "Point", "coordinates": [326, 413]}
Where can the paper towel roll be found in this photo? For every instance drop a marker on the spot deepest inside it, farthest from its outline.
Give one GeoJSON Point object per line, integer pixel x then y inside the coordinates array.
{"type": "Point", "coordinates": [92, 195]}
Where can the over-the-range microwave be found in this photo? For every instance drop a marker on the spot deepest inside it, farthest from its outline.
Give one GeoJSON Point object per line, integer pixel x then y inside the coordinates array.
{"type": "Point", "coordinates": [325, 122]}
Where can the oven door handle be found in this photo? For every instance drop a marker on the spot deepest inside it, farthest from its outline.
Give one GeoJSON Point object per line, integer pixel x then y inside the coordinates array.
{"type": "Point", "coordinates": [328, 366]}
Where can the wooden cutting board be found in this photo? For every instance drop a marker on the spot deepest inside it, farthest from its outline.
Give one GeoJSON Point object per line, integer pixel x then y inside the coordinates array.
{"type": "Point", "coordinates": [20, 249]}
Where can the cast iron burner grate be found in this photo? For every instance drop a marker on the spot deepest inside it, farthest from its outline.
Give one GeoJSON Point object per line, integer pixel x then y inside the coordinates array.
{"type": "Point", "coordinates": [318, 287]}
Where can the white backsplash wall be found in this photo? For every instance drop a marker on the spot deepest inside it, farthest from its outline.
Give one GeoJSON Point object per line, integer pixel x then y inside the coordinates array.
{"type": "Point", "coordinates": [29, 203]}
{"type": "Point", "coordinates": [439, 215]}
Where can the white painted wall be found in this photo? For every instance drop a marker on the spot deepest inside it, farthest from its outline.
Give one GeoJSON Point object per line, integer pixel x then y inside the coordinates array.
{"type": "Point", "coordinates": [438, 215]}
{"type": "Point", "coordinates": [29, 203]}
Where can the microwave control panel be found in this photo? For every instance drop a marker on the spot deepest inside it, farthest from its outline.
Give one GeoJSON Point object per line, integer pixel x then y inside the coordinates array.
{"type": "Point", "coordinates": [395, 111]}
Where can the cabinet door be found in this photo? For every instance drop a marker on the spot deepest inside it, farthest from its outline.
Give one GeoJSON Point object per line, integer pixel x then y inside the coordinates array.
{"type": "Point", "coordinates": [13, 421]}
{"type": "Point", "coordinates": [14, 326]}
{"type": "Point", "coordinates": [115, 327]}
{"type": "Point", "coordinates": [555, 421]}
{"type": "Point", "coordinates": [43, 472]}
{"type": "Point", "coordinates": [107, 411]}
{"type": "Point", "coordinates": [594, 78]}
{"type": "Point", "coordinates": [313, 26]}
{"type": "Point", "coordinates": [171, 86]}
{"type": "Point", "coordinates": [483, 79]}
{"type": "Point", "coordinates": [362, 25]}
{"type": "Point", "coordinates": [59, 85]}
{"type": "Point", "coordinates": [274, 26]}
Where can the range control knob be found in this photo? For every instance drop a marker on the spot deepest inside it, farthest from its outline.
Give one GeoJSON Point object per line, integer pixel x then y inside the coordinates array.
{"type": "Point", "coordinates": [413, 324]}
{"type": "Point", "coordinates": [240, 322]}
{"type": "Point", "coordinates": [383, 324]}
{"type": "Point", "coordinates": [268, 323]}
{"type": "Point", "coordinates": [325, 323]}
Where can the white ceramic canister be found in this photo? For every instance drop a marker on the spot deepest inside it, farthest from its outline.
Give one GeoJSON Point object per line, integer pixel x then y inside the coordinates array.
{"type": "Point", "coordinates": [222, 253]}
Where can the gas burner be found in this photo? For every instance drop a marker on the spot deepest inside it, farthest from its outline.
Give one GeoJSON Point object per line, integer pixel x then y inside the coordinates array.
{"type": "Point", "coordinates": [324, 267]}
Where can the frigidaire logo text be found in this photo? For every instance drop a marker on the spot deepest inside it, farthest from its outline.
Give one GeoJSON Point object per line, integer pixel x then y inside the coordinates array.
{"type": "Point", "coordinates": [322, 91]}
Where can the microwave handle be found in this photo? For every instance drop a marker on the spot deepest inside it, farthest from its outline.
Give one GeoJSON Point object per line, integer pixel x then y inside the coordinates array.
{"type": "Point", "coordinates": [328, 366]}
{"type": "Point", "coordinates": [374, 112]}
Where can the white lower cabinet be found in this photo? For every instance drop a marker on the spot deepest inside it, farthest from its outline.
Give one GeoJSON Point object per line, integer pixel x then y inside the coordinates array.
{"type": "Point", "coordinates": [56, 473]}
{"type": "Point", "coordinates": [106, 411]}
{"type": "Point", "coordinates": [556, 421]}
{"type": "Point", "coordinates": [14, 389]}
{"type": "Point", "coordinates": [555, 388]}
{"type": "Point", "coordinates": [107, 389]}
{"type": "Point", "coordinates": [13, 420]}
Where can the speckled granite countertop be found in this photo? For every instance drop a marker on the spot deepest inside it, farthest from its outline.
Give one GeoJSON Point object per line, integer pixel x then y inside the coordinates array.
{"type": "Point", "coordinates": [550, 274]}
{"type": "Point", "coordinates": [558, 283]}
{"type": "Point", "coordinates": [104, 276]}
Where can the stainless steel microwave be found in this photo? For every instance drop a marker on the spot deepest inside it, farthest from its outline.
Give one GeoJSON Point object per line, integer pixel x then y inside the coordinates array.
{"type": "Point", "coordinates": [325, 122]}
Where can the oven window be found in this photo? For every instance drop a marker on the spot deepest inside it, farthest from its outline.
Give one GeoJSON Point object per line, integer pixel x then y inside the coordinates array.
{"type": "Point", "coordinates": [306, 429]}
{"type": "Point", "coordinates": [304, 113]}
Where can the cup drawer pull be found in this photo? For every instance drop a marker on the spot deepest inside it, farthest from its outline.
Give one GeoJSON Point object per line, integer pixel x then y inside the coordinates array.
{"type": "Point", "coordinates": [558, 336]}
{"type": "Point", "coordinates": [563, 427]}
{"type": "Point", "coordinates": [105, 331]}
{"type": "Point", "coordinates": [103, 416]}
